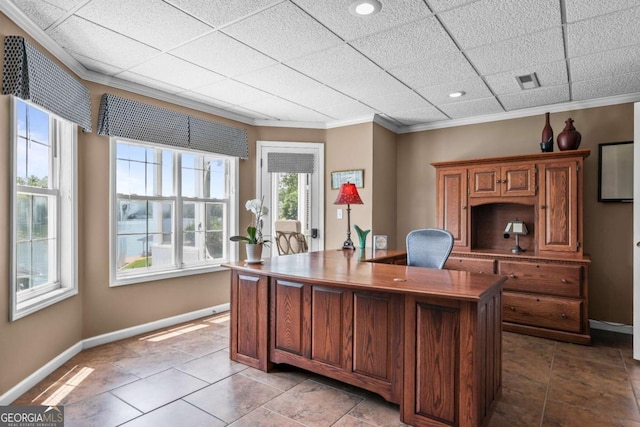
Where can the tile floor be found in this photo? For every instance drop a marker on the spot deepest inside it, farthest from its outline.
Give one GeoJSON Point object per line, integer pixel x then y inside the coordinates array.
{"type": "Point", "coordinates": [182, 376]}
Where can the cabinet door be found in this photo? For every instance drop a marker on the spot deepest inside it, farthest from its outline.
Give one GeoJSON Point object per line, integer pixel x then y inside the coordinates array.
{"type": "Point", "coordinates": [452, 204]}
{"type": "Point", "coordinates": [518, 180]}
{"type": "Point", "coordinates": [249, 315]}
{"type": "Point", "coordinates": [558, 205]}
{"type": "Point", "coordinates": [484, 181]}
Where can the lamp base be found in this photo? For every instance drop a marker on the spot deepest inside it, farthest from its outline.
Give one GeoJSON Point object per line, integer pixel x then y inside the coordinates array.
{"type": "Point", "coordinates": [517, 250]}
{"type": "Point", "coordinates": [348, 244]}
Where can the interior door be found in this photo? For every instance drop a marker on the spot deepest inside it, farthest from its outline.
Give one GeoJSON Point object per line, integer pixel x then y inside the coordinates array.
{"type": "Point", "coordinates": [636, 231]}
{"type": "Point", "coordinates": [291, 180]}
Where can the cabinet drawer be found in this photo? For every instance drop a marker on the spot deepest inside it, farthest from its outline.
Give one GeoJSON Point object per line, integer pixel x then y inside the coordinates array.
{"type": "Point", "coordinates": [471, 264]}
{"type": "Point", "coordinates": [553, 279]}
{"type": "Point", "coordinates": [547, 312]}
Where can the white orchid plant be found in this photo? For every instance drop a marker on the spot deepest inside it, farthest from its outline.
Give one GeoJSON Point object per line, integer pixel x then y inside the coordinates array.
{"type": "Point", "coordinates": [254, 231]}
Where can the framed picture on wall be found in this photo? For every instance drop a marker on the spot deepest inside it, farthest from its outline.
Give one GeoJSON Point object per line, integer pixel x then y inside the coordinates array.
{"type": "Point", "coordinates": [615, 172]}
{"type": "Point", "coordinates": [355, 176]}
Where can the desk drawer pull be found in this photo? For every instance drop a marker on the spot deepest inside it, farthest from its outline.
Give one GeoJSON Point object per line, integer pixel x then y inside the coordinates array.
{"type": "Point", "coordinates": [564, 281]}
{"type": "Point", "coordinates": [512, 276]}
{"type": "Point", "coordinates": [564, 316]}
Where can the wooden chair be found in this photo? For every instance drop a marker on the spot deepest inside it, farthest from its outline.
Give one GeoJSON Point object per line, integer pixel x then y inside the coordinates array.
{"type": "Point", "coordinates": [429, 247]}
{"type": "Point", "coordinates": [289, 239]}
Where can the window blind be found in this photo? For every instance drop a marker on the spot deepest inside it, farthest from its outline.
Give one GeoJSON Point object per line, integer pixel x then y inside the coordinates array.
{"type": "Point", "coordinates": [30, 75]}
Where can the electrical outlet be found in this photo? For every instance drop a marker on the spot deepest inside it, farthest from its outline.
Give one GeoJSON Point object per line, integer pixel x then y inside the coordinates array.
{"type": "Point", "coordinates": [339, 213]}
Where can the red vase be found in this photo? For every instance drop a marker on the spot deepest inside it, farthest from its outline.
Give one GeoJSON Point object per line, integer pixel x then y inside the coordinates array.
{"type": "Point", "coordinates": [569, 138]}
{"type": "Point", "coordinates": [546, 144]}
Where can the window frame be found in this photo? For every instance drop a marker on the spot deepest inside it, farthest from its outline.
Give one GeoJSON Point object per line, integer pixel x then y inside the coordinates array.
{"type": "Point", "coordinates": [63, 139]}
{"type": "Point", "coordinates": [179, 270]}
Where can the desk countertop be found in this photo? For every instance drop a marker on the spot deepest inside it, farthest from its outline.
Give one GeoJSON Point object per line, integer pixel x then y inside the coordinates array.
{"type": "Point", "coordinates": [358, 269]}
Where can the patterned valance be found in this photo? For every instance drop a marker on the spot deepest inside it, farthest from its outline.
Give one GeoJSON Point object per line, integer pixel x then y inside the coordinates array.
{"type": "Point", "coordinates": [127, 118]}
{"type": "Point", "coordinates": [30, 75]}
{"type": "Point", "coordinates": [290, 162]}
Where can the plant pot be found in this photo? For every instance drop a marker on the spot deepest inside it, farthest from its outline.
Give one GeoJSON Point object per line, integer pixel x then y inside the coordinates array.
{"type": "Point", "coordinates": [254, 253]}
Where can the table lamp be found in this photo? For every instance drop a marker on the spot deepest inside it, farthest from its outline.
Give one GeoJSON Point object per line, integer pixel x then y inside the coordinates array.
{"type": "Point", "coordinates": [348, 195]}
{"type": "Point", "coordinates": [518, 228]}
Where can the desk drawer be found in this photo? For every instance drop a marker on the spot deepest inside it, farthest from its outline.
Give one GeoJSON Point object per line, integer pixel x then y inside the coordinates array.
{"type": "Point", "coordinates": [543, 278]}
{"type": "Point", "coordinates": [548, 312]}
{"type": "Point", "coordinates": [471, 264]}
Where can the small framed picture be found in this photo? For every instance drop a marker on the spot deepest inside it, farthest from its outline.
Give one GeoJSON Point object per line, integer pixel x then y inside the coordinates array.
{"type": "Point", "coordinates": [355, 176]}
{"type": "Point", "coordinates": [380, 241]}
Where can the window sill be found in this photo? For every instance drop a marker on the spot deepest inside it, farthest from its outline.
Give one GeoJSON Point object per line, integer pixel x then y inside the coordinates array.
{"type": "Point", "coordinates": [32, 305]}
{"type": "Point", "coordinates": [161, 275]}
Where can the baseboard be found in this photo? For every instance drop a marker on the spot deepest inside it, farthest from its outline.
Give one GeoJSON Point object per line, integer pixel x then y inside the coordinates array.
{"type": "Point", "coordinates": [152, 326]}
{"type": "Point", "coordinates": [33, 379]}
{"type": "Point", "coordinates": [611, 327]}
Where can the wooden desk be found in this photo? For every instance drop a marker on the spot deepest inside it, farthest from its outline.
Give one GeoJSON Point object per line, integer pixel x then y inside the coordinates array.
{"type": "Point", "coordinates": [428, 340]}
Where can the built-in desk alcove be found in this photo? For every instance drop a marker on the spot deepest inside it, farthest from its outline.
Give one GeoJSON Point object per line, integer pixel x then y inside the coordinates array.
{"type": "Point", "coordinates": [488, 222]}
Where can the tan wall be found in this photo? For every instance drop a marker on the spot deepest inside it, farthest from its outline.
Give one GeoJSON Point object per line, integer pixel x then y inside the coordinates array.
{"type": "Point", "coordinates": [385, 192]}
{"type": "Point", "coordinates": [608, 237]}
{"type": "Point", "coordinates": [348, 148]}
{"type": "Point", "coordinates": [30, 342]}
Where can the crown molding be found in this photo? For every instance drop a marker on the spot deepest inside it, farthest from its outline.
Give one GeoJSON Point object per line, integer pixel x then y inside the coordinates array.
{"type": "Point", "coordinates": [528, 112]}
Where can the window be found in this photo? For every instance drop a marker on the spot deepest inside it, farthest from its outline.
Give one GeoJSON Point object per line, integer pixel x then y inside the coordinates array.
{"type": "Point", "coordinates": [173, 211]}
{"type": "Point", "coordinates": [43, 206]}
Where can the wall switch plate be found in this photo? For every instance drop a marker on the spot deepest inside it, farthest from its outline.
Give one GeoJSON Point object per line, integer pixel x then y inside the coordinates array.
{"type": "Point", "coordinates": [339, 213]}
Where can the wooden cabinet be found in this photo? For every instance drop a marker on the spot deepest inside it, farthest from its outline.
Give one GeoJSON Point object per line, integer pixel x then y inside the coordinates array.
{"type": "Point", "coordinates": [452, 203]}
{"type": "Point", "coordinates": [546, 291]}
{"type": "Point", "coordinates": [502, 181]}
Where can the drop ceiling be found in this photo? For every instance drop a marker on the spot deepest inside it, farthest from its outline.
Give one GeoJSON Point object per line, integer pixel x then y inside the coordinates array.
{"type": "Point", "coordinates": [311, 63]}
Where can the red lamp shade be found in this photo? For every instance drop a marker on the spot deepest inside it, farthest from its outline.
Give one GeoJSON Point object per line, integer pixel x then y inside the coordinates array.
{"type": "Point", "coordinates": [348, 195]}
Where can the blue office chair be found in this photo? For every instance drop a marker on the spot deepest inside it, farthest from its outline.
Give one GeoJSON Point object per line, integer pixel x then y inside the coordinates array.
{"type": "Point", "coordinates": [429, 247]}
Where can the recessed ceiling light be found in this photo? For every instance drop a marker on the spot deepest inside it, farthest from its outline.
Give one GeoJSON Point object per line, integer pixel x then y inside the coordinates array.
{"type": "Point", "coordinates": [456, 94]}
{"type": "Point", "coordinates": [365, 7]}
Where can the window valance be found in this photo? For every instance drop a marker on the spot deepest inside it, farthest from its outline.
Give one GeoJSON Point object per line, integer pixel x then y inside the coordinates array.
{"type": "Point", "coordinates": [290, 162]}
{"type": "Point", "coordinates": [31, 75]}
{"type": "Point", "coordinates": [135, 120]}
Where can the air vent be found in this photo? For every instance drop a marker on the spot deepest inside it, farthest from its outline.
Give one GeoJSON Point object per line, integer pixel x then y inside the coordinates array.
{"type": "Point", "coordinates": [528, 81]}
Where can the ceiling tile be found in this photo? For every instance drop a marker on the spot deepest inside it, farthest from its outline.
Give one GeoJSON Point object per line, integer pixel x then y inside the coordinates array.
{"type": "Point", "coordinates": [409, 43]}
{"type": "Point", "coordinates": [250, 113]}
{"type": "Point", "coordinates": [446, 67]}
{"type": "Point", "coordinates": [337, 63]}
{"type": "Point", "coordinates": [347, 110]}
{"type": "Point", "coordinates": [535, 97]}
{"type": "Point", "coordinates": [318, 96]}
{"type": "Point", "coordinates": [66, 4]}
{"type": "Point", "coordinates": [233, 92]}
{"type": "Point", "coordinates": [93, 41]}
{"type": "Point", "coordinates": [152, 22]}
{"type": "Point", "coordinates": [197, 96]}
{"type": "Point", "coordinates": [279, 80]}
{"type": "Point", "coordinates": [418, 116]}
{"type": "Point", "coordinates": [590, 89]}
{"type": "Point", "coordinates": [584, 9]}
{"type": "Point", "coordinates": [335, 15]}
{"type": "Point", "coordinates": [283, 32]}
{"type": "Point", "coordinates": [285, 110]}
{"type": "Point", "coordinates": [41, 13]}
{"type": "Point", "coordinates": [602, 64]}
{"type": "Point", "coordinates": [220, 12]}
{"type": "Point", "coordinates": [174, 71]}
{"type": "Point", "coordinates": [489, 21]}
{"type": "Point", "coordinates": [222, 54]}
{"type": "Point", "coordinates": [441, 5]}
{"type": "Point", "coordinates": [368, 85]}
{"type": "Point", "coordinates": [626, 83]}
{"type": "Point", "coordinates": [438, 95]}
{"type": "Point", "coordinates": [521, 52]}
{"type": "Point", "coordinates": [147, 81]}
{"type": "Point", "coordinates": [476, 107]}
{"type": "Point", "coordinates": [606, 32]}
{"type": "Point", "coordinates": [400, 101]}
{"type": "Point", "coordinates": [551, 74]}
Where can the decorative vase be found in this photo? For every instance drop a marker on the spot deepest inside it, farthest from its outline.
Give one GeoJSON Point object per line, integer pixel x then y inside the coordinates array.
{"type": "Point", "coordinates": [362, 236]}
{"type": "Point", "coordinates": [569, 138]}
{"type": "Point", "coordinates": [546, 145]}
{"type": "Point", "coordinates": [254, 252]}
